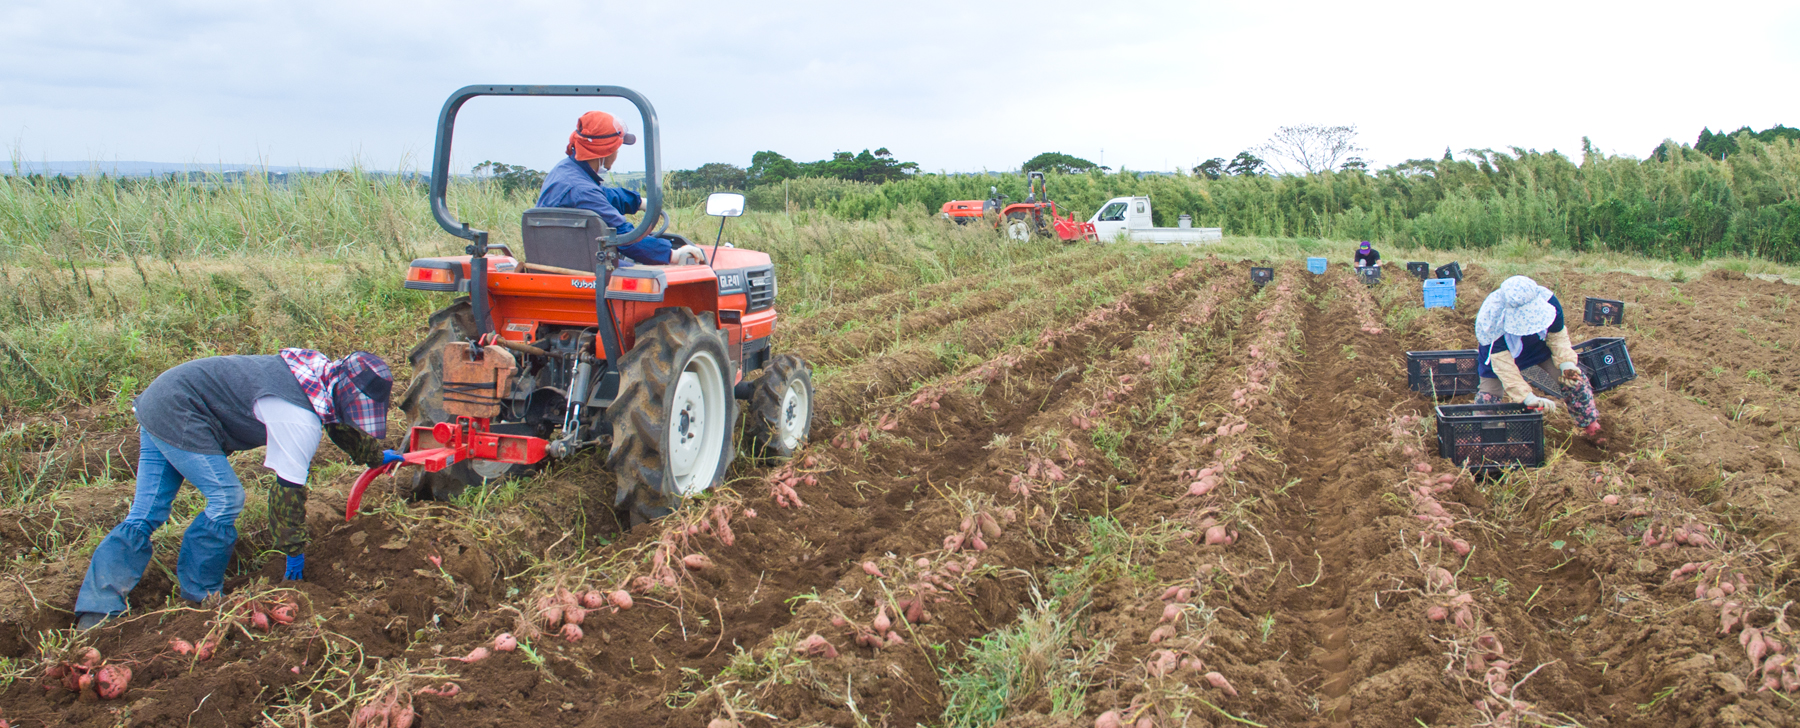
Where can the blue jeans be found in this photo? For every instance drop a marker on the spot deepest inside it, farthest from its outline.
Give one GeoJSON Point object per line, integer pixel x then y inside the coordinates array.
{"type": "Point", "coordinates": [120, 560]}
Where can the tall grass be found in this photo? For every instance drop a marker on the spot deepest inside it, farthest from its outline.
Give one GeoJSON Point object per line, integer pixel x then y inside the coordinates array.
{"type": "Point", "coordinates": [106, 282]}
{"type": "Point", "coordinates": [1686, 206]}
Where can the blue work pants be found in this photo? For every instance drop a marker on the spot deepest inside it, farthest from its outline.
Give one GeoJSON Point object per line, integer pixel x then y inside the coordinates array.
{"type": "Point", "coordinates": [120, 560]}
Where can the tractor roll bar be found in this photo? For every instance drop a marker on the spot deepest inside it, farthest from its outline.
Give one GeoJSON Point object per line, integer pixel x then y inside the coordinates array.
{"type": "Point", "coordinates": [440, 157]}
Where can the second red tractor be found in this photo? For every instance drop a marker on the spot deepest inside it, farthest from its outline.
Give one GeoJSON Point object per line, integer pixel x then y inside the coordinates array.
{"type": "Point", "coordinates": [1037, 216]}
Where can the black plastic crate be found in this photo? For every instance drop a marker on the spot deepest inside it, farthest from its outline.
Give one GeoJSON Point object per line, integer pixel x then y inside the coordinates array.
{"type": "Point", "coordinates": [1450, 270]}
{"type": "Point", "coordinates": [1420, 269]}
{"type": "Point", "coordinates": [1262, 276]}
{"type": "Point", "coordinates": [1443, 374]}
{"type": "Point", "coordinates": [1604, 312]}
{"type": "Point", "coordinates": [1369, 274]}
{"type": "Point", "coordinates": [1604, 360]}
{"type": "Point", "coordinates": [1491, 436]}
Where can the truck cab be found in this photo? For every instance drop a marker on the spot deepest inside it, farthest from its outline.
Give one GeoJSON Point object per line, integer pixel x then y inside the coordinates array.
{"type": "Point", "coordinates": [1129, 219]}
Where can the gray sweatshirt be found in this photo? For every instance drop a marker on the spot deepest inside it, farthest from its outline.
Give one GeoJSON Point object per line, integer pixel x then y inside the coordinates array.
{"type": "Point", "coordinates": [207, 406]}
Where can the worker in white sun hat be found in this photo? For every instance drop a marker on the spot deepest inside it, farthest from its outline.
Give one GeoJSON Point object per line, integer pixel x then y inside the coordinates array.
{"type": "Point", "coordinates": [1520, 325]}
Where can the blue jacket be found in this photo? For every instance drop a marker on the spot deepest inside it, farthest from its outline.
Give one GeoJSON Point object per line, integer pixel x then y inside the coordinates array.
{"type": "Point", "coordinates": [574, 184]}
{"type": "Point", "coordinates": [1534, 351]}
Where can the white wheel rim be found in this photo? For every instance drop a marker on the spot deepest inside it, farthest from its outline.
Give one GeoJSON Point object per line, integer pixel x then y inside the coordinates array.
{"type": "Point", "coordinates": [796, 414]}
{"type": "Point", "coordinates": [1017, 230]}
{"type": "Point", "coordinates": [489, 469]}
{"type": "Point", "coordinates": [696, 427]}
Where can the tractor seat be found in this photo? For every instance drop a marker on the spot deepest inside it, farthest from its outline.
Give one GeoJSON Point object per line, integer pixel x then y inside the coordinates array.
{"type": "Point", "coordinates": [564, 237]}
{"type": "Point", "coordinates": [568, 237]}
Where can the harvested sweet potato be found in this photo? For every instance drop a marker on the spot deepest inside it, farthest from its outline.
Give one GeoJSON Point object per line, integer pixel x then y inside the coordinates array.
{"type": "Point", "coordinates": [620, 599]}
{"type": "Point", "coordinates": [111, 680]}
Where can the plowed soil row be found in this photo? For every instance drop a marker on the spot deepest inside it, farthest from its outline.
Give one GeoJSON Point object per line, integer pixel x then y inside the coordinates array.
{"type": "Point", "coordinates": [639, 658]}
{"type": "Point", "coordinates": [962, 343]}
{"type": "Point", "coordinates": [907, 300]}
{"type": "Point", "coordinates": [1638, 645]}
{"type": "Point", "coordinates": [882, 330]}
{"type": "Point", "coordinates": [944, 456]}
{"type": "Point", "coordinates": [1155, 491]}
{"type": "Point", "coordinates": [1288, 612]}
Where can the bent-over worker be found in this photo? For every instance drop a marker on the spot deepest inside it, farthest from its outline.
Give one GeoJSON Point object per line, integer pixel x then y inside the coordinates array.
{"type": "Point", "coordinates": [195, 414]}
{"type": "Point", "coordinates": [1521, 325]}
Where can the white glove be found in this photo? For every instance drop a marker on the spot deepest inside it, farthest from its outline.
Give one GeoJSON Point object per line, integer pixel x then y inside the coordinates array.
{"type": "Point", "coordinates": [1535, 402]}
{"type": "Point", "coordinates": [1571, 372]}
{"type": "Point", "coordinates": [687, 255]}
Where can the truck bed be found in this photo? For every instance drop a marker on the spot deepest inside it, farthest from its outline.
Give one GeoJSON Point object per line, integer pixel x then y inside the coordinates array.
{"type": "Point", "coordinates": [1183, 236]}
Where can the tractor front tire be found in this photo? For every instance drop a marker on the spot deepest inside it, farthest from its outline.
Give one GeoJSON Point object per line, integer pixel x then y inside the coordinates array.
{"type": "Point", "coordinates": [779, 419]}
{"type": "Point", "coordinates": [672, 419]}
{"type": "Point", "coordinates": [1018, 228]}
{"type": "Point", "coordinates": [424, 406]}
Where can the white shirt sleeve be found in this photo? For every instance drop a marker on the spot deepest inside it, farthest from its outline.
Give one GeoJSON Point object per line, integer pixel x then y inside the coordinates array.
{"type": "Point", "coordinates": [293, 434]}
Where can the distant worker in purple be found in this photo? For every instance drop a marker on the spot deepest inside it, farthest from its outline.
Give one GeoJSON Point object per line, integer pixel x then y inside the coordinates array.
{"type": "Point", "coordinates": [575, 182]}
{"type": "Point", "coordinates": [1367, 256]}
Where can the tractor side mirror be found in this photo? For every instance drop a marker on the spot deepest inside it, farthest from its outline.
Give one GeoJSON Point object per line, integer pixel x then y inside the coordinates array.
{"type": "Point", "coordinates": [725, 204]}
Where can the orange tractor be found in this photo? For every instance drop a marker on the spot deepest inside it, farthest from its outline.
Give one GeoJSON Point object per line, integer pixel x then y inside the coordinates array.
{"type": "Point", "coordinates": [1036, 216]}
{"type": "Point", "coordinates": [568, 348]}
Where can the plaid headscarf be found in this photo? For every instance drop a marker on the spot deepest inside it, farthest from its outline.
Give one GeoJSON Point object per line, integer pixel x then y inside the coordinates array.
{"type": "Point", "coordinates": [353, 390]}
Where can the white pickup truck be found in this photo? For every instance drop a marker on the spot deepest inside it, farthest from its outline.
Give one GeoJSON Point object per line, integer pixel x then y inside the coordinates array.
{"type": "Point", "coordinates": [1129, 218]}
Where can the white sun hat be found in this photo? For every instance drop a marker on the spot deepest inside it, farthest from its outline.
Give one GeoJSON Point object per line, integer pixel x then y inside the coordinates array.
{"type": "Point", "coordinates": [1519, 307]}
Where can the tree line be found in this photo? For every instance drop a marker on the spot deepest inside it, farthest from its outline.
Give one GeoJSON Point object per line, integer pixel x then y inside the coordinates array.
{"type": "Point", "coordinates": [1736, 193]}
{"type": "Point", "coordinates": [1681, 202]}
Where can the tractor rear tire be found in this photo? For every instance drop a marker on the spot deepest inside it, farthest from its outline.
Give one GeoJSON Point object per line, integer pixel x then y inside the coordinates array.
{"type": "Point", "coordinates": [673, 416]}
{"type": "Point", "coordinates": [424, 406]}
{"type": "Point", "coordinates": [779, 419]}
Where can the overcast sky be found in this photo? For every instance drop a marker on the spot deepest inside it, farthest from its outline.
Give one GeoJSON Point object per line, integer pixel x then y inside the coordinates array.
{"type": "Point", "coordinates": [961, 86]}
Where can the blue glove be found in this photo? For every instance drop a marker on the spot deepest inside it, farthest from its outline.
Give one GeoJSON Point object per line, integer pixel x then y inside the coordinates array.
{"type": "Point", "coordinates": [391, 456]}
{"type": "Point", "coordinates": [296, 566]}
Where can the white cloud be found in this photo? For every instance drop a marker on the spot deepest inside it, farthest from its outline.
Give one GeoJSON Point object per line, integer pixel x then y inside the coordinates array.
{"type": "Point", "coordinates": [952, 85]}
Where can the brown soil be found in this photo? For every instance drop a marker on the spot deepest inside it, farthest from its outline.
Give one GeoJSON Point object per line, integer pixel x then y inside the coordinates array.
{"type": "Point", "coordinates": [1047, 410]}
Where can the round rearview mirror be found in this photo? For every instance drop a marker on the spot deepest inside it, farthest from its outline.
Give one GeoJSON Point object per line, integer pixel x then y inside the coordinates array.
{"type": "Point", "coordinates": [725, 204]}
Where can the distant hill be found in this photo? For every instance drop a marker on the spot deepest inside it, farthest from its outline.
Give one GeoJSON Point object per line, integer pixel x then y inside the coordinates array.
{"type": "Point", "coordinates": [230, 172]}
{"type": "Point", "coordinates": [145, 169]}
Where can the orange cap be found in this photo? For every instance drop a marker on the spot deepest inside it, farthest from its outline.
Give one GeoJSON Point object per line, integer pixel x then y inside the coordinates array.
{"type": "Point", "coordinates": [597, 134]}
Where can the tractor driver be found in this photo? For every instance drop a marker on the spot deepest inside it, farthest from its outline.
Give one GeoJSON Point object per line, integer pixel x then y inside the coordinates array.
{"type": "Point", "coordinates": [575, 182]}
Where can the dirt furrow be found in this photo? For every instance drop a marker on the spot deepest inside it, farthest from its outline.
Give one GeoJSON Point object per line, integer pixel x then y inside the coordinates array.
{"type": "Point", "coordinates": [938, 460]}
{"type": "Point", "coordinates": [847, 393]}
{"type": "Point", "coordinates": [860, 337]}
{"type": "Point", "coordinates": [861, 509]}
{"type": "Point", "coordinates": [907, 300]}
